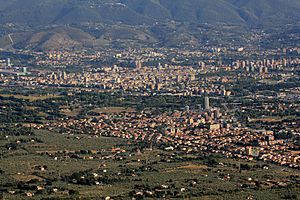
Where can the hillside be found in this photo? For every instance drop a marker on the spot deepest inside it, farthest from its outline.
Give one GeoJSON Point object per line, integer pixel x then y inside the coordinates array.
{"type": "Point", "coordinates": [35, 23]}
{"type": "Point", "coordinates": [248, 12]}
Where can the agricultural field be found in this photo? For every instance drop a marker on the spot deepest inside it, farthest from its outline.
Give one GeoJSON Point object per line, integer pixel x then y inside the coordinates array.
{"type": "Point", "coordinates": [51, 165]}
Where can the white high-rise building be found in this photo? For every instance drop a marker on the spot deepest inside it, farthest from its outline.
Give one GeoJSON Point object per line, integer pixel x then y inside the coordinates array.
{"type": "Point", "coordinates": [8, 62]}
{"type": "Point", "coordinates": [206, 103]}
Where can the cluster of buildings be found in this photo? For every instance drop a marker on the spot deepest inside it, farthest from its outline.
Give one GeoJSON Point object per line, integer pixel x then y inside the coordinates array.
{"type": "Point", "coordinates": [166, 79]}
{"type": "Point", "coordinates": [167, 71]}
{"type": "Point", "coordinates": [7, 69]}
{"type": "Point", "coordinates": [183, 73]}
{"type": "Point", "coordinates": [263, 66]}
{"type": "Point", "coordinates": [204, 129]}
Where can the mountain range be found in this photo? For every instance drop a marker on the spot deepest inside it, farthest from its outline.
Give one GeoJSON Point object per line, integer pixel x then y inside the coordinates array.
{"type": "Point", "coordinates": [47, 24]}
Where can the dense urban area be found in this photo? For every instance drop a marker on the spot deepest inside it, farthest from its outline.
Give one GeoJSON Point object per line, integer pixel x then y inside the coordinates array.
{"type": "Point", "coordinates": [146, 123]}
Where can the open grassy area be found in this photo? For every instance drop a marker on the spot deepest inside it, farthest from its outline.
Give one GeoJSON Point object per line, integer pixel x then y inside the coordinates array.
{"type": "Point", "coordinates": [31, 97]}
{"type": "Point", "coordinates": [109, 110]}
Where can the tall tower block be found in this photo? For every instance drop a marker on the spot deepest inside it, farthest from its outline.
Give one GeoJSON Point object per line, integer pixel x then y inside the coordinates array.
{"type": "Point", "coordinates": [206, 103]}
